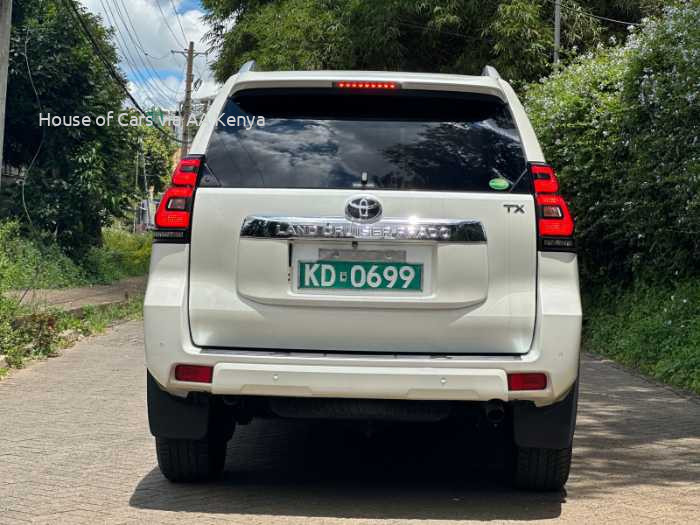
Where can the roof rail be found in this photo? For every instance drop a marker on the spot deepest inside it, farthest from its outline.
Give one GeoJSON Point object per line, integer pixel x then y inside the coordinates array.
{"type": "Point", "coordinates": [490, 71]}
{"type": "Point", "coordinates": [248, 66]}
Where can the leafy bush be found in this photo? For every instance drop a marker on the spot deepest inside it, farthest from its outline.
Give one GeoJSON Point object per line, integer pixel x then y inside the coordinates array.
{"type": "Point", "coordinates": [11, 340]}
{"type": "Point", "coordinates": [34, 263]}
{"type": "Point", "coordinates": [655, 329]}
{"type": "Point", "coordinates": [622, 127]}
{"type": "Point", "coordinates": [40, 263]}
{"type": "Point", "coordinates": [122, 254]}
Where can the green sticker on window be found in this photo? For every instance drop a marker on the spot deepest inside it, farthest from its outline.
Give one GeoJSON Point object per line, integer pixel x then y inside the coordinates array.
{"type": "Point", "coordinates": [499, 184]}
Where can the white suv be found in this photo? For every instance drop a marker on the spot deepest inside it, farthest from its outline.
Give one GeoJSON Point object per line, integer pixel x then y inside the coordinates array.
{"type": "Point", "coordinates": [364, 245]}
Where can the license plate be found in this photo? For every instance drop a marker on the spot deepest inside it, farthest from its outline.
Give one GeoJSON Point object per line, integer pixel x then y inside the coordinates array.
{"type": "Point", "coordinates": [356, 275]}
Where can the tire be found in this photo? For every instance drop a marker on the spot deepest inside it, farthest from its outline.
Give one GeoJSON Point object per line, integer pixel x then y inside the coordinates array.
{"type": "Point", "coordinates": [542, 469]}
{"type": "Point", "coordinates": [188, 460]}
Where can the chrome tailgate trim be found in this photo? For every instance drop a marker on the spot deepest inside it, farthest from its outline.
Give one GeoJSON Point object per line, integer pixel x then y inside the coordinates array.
{"type": "Point", "coordinates": [467, 231]}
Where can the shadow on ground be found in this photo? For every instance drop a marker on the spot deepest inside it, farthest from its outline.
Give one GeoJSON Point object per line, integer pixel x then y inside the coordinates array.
{"type": "Point", "coordinates": [403, 471]}
{"type": "Point", "coordinates": [634, 441]}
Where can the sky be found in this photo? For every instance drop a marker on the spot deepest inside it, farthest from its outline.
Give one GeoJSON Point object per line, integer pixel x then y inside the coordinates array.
{"type": "Point", "coordinates": [145, 33]}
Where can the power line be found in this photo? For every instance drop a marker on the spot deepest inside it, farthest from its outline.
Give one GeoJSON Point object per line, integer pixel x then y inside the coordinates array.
{"type": "Point", "coordinates": [127, 56]}
{"type": "Point", "coordinates": [135, 38]}
{"type": "Point", "coordinates": [151, 85]}
{"type": "Point", "coordinates": [177, 17]}
{"type": "Point", "coordinates": [136, 34]}
{"type": "Point", "coordinates": [165, 19]}
{"type": "Point", "coordinates": [579, 10]}
{"type": "Point", "coordinates": [151, 92]}
{"type": "Point", "coordinates": [108, 66]}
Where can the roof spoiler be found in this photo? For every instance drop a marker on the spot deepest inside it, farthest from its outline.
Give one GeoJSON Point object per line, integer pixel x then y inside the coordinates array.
{"type": "Point", "coordinates": [489, 71]}
{"type": "Point", "coordinates": [248, 66]}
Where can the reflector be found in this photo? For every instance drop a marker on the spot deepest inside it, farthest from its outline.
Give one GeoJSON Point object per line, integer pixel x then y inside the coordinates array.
{"type": "Point", "coordinates": [527, 381]}
{"type": "Point", "coordinates": [194, 373]}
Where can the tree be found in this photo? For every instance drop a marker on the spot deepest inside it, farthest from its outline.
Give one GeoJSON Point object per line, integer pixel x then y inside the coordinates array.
{"type": "Point", "coordinates": [77, 178]}
{"type": "Point", "coordinates": [621, 126]}
{"type": "Point", "coordinates": [451, 36]}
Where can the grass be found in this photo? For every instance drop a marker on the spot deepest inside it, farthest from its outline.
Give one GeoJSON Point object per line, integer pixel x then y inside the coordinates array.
{"type": "Point", "coordinates": [654, 329]}
{"type": "Point", "coordinates": [26, 263]}
{"type": "Point", "coordinates": [38, 335]}
{"type": "Point", "coordinates": [122, 254]}
{"type": "Point", "coordinates": [39, 263]}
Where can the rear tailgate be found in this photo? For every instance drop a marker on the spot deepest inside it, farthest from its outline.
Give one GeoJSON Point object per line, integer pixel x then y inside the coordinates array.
{"type": "Point", "coordinates": [281, 258]}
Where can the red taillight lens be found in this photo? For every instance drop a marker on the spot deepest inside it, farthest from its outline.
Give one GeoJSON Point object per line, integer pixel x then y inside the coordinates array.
{"type": "Point", "coordinates": [174, 208]}
{"type": "Point", "coordinates": [555, 219]}
{"type": "Point", "coordinates": [194, 373]}
{"type": "Point", "coordinates": [356, 84]}
{"type": "Point", "coordinates": [544, 178]}
{"type": "Point", "coordinates": [174, 211]}
{"type": "Point", "coordinates": [527, 381]}
{"type": "Point", "coordinates": [185, 173]}
{"type": "Point", "coordinates": [555, 224]}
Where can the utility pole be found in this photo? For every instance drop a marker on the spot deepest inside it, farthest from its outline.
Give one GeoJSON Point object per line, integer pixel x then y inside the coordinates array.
{"type": "Point", "coordinates": [137, 209]}
{"type": "Point", "coordinates": [5, 25]}
{"type": "Point", "coordinates": [187, 105]}
{"type": "Point", "coordinates": [145, 190]}
{"type": "Point", "coordinates": [557, 31]}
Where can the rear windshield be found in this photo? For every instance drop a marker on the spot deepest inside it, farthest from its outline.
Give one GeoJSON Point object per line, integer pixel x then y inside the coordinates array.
{"type": "Point", "coordinates": [398, 140]}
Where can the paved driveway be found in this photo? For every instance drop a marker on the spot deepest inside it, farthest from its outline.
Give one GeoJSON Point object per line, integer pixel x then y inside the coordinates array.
{"type": "Point", "coordinates": [74, 447]}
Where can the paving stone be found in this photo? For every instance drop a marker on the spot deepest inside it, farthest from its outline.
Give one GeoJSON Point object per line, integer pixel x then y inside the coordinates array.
{"type": "Point", "coordinates": [75, 448]}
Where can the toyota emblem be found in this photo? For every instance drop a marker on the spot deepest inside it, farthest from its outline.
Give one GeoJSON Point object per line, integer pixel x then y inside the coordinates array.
{"type": "Point", "coordinates": [363, 208]}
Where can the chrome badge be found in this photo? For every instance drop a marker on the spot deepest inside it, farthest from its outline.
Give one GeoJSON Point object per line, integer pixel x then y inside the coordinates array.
{"type": "Point", "coordinates": [363, 208]}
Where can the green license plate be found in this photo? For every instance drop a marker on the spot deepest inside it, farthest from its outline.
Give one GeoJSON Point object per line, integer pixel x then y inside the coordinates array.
{"type": "Point", "coordinates": [354, 275]}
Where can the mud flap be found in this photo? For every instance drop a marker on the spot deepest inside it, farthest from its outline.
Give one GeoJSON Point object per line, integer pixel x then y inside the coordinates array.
{"type": "Point", "coordinates": [184, 418]}
{"type": "Point", "coordinates": [546, 427]}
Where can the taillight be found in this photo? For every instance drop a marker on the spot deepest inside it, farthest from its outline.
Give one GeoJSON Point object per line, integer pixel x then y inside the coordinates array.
{"type": "Point", "coordinates": [555, 225]}
{"type": "Point", "coordinates": [175, 210]}
{"type": "Point", "coordinates": [361, 84]}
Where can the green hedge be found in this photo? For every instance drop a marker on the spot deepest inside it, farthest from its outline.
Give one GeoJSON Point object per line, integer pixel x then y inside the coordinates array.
{"type": "Point", "coordinates": [654, 329]}
{"type": "Point", "coordinates": [622, 127]}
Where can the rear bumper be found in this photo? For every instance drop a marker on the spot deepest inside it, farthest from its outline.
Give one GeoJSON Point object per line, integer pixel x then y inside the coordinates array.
{"type": "Point", "coordinates": [554, 351]}
{"type": "Point", "coordinates": [343, 380]}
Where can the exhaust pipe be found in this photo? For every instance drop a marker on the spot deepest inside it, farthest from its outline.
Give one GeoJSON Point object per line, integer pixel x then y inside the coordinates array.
{"type": "Point", "coordinates": [494, 411]}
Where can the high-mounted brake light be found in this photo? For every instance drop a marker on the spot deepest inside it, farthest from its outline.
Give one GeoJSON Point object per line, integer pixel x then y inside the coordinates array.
{"type": "Point", "coordinates": [357, 84]}
{"type": "Point", "coordinates": [175, 209]}
{"type": "Point", "coordinates": [555, 225]}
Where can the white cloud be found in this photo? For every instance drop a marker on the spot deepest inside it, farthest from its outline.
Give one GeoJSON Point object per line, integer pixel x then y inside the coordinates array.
{"type": "Point", "coordinates": [140, 28]}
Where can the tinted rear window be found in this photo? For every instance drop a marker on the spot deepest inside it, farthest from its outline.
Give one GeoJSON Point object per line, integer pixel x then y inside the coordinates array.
{"type": "Point", "coordinates": [399, 140]}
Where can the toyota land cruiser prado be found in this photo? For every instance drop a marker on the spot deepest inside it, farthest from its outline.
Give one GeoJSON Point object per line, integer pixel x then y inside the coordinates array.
{"type": "Point", "coordinates": [368, 245]}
